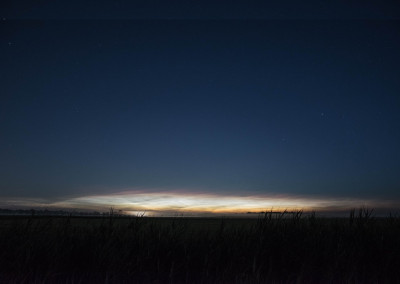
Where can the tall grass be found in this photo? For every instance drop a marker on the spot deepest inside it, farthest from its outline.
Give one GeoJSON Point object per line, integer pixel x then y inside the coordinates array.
{"type": "Point", "coordinates": [275, 248]}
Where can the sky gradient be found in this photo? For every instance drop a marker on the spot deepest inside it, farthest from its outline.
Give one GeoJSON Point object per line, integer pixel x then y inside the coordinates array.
{"type": "Point", "coordinates": [303, 112]}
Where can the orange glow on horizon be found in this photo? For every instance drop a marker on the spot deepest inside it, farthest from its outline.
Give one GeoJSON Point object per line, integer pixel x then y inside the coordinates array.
{"type": "Point", "coordinates": [159, 203]}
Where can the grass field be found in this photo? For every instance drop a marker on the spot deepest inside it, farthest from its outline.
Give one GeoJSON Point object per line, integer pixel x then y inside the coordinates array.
{"type": "Point", "coordinates": [274, 248]}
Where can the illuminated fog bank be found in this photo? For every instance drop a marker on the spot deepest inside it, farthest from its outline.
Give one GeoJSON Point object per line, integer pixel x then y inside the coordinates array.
{"type": "Point", "coordinates": [192, 204]}
{"type": "Point", "coordinates": [155, 203]}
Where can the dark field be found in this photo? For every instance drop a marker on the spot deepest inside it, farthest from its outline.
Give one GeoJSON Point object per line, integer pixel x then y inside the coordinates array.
{"type": "Point", "coordinates": [286, 248]}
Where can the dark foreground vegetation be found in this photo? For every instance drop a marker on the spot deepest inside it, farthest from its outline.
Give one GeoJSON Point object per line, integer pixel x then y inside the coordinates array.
{"type": "Point", "coordinates": [275, 248]}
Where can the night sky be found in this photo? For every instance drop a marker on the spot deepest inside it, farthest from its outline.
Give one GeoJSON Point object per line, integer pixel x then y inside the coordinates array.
{"type": "Point", "coordinates": [196, 109]}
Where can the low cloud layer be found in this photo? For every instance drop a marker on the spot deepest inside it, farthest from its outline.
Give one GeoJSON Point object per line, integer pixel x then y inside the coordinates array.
{"type": "Point", "coordinates": [167, 203]}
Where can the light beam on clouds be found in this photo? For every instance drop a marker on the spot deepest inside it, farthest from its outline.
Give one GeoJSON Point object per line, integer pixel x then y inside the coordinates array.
{"type": "Point", "coordinates": [163, 203]}
{"type": "Point", "coordinates": [156, 203]}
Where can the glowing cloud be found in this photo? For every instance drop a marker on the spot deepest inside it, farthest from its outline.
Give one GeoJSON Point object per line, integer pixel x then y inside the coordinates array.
{"type": "Point", "coordinates": [157, 202]}
{"type": "Point", "coordinates": [166, 203]}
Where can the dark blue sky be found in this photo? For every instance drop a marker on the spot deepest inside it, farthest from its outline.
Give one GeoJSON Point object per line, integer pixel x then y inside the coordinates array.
{"type": "Point", "coordinates": [304, 107]}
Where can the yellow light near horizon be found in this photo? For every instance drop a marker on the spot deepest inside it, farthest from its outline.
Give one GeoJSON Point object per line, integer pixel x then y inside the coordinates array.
{"type": "Point", "coordinates": [162, 203]}
{"type": "Point", "coordinates": [204, 203]}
